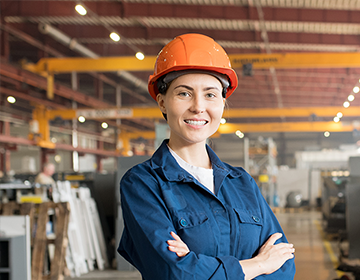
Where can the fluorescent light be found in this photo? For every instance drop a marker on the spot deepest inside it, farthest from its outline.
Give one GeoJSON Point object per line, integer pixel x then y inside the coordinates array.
{"type": "Point", "coordinates": [114, 36]}
{"type": "Point", "coordinates": [81, 9]}
{"type": "Point", "coordinates": [140, 56]}
{"type": "Point", "coordinates": [11, 99]}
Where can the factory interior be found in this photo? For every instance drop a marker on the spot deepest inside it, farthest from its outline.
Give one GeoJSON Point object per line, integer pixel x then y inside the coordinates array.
{"type": "Point", "coordinates": [74, 97]}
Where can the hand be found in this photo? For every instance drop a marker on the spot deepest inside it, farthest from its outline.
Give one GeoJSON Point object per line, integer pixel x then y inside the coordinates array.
{"type": "Point", "coordinates": [272, 257]}
{"type": "Point", "coordinates": [178, 246]}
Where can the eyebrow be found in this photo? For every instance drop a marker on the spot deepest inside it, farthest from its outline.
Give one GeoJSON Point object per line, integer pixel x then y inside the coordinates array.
{"type": "Point", "coordinates": [190, 88]}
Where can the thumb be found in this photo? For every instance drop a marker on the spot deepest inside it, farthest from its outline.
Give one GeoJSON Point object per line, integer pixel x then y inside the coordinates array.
{"type": "Point", "coordinates": [272, 239]}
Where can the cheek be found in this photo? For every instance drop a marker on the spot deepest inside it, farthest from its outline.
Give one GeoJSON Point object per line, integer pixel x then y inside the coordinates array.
{"type": "Point", "coordinates": [217, 113]}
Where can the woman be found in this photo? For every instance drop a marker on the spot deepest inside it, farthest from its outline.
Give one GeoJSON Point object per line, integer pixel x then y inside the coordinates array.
{"type": "Point", "coordinates": [187, 215]}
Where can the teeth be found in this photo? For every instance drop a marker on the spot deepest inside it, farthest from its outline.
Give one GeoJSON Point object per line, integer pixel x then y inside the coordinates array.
{"type": "Point", "coordinates": [195, 122]}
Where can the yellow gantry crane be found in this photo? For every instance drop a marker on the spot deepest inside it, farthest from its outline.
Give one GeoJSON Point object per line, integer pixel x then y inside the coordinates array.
{"type": "Point", "coordinates": [50, 66]}
{"type": "Point", "coordinates": [42, 116]}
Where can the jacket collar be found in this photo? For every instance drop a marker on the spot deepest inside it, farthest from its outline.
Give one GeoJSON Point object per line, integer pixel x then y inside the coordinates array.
{"type": "Point", "coordinates": [163, 159]}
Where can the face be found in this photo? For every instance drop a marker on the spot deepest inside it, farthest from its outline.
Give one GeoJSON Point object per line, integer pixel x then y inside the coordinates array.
{"type": "Point", "coordinates": [194, 106]}
{"type": "Point", "coordinates": [49, 169]}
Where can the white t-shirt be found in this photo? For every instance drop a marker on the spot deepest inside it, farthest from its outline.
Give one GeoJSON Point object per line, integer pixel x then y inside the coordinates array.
{"type": "Point", "coordinates": [203, 175]}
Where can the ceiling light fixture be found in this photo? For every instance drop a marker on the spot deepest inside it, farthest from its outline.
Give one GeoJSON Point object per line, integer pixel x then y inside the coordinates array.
{"type": "Point", "coordinates": [114, 36]}
{"type": "Point", "coordinates": [239, 134]}
{"type": "Point", "coordinates": [11, 99]}
{"type": "Point", "coordinates": [356, 89]}
{"type": "Point", "coordinates": [351, 97]}
{"type": "Point", "coordinates": [81, 9]}
{"type": "Point", "coordinates": [326, 133]}
{"type": "Point", "coordinates": [346, 104]}
{"type": "Point", "coordinates": [223, 121]}
{"type": "Point", "coordinates": [140, 56]}
{"type": "Point", "coordinates": [81, 119]}
{"type": "Point", "coordinates": [104, 125]}
{"type": "Point", "coordinates": [339, 115]}
{"type": "Point", "coordinates": [336, 119]}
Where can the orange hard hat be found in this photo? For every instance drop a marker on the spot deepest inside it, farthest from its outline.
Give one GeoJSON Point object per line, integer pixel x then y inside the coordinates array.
{"type": "Point", "coordinates": [192, 52]}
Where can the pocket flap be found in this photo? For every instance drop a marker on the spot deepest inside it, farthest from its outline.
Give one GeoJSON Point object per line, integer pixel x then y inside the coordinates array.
{"type": "Point", "coordinates": [249, 217]}
{"type": "Point", "coordinates": [188, 220]}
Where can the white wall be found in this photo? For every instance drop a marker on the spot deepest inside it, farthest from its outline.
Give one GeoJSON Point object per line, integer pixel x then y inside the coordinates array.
{"type": "Point", "coordinates": [298, 180]}
{"type": "Point", "coordinates": [292, 180]}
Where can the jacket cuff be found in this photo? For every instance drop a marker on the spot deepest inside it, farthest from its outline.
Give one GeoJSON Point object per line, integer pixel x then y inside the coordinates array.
{"type": "Point", "coordinates": [232, 268]}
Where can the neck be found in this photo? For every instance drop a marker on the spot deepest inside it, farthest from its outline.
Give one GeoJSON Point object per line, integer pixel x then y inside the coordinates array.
{"type": "Point", "coordinates": [193, 153]}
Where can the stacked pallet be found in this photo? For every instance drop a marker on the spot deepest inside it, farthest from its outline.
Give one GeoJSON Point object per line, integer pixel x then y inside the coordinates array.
{"type": "Point", "coordinates": [66, 234]}
{"type": "Point", "coordinates": [39, 219]}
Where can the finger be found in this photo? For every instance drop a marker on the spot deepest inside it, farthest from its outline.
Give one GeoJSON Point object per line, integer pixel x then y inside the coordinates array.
{"type": "Point", "coordinates": [177, 244]}
{"type": "Point", "coordinates": [175, 236]}
{"type": "Point", "coordinates": [181, 252]}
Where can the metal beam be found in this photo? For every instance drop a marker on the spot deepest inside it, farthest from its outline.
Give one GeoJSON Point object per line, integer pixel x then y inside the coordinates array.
{"type": "Point", "coordinates": [265, 61]}
{"type": "Point", "coordinates": [229, 128]}
{"type": "Point", "coordinates": [27, 142]}
{"type": "Point", "coordinates": [40, 82]}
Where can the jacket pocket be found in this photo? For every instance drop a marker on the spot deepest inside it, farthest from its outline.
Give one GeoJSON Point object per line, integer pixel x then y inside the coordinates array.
{"type": "Point", "coordinates": [195, 230]}
{"type": "Point", "coordinates": [249, 230]}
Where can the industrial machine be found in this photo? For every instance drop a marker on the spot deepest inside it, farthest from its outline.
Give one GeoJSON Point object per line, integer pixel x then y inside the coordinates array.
{"type": "Point", "coordinates": [333, 204]}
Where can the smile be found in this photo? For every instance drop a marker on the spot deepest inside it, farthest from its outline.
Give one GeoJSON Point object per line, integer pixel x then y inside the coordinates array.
{"type": "Point", "coordinates": [191, 122]}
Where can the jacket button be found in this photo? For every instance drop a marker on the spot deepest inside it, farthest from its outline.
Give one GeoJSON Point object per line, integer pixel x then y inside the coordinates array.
{"type": "Point", "coordinates": [256, 219]}
{"type": "Point", "coordinates": [183, 222]}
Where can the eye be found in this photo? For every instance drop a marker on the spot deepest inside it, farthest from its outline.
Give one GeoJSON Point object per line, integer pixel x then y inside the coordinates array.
{"type": "Point", "coordinates": [183, 93]}
{"type": "Point", "coordinates": [210, 95]}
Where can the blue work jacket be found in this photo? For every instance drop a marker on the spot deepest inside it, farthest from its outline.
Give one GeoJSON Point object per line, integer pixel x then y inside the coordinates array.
{"type": "Point", "coordinates": [158, 196]}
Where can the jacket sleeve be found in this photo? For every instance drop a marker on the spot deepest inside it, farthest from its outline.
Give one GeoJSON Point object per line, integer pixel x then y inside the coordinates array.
{"type": "Point", "coordinates": [271, 226]}
{"type": "Point", "coordinates": [147, 227]}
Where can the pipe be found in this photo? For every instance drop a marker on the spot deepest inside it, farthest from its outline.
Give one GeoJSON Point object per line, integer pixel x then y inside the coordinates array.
{"type": "Point", "coordinates": [74, 45]}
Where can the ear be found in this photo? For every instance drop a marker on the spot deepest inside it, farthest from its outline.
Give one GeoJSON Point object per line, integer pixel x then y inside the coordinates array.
{"type": "Point", "coordinates": [160, 100]}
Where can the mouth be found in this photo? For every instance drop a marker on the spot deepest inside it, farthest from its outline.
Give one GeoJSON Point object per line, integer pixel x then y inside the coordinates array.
{"type": "Point", "coordinates": [198, 123]}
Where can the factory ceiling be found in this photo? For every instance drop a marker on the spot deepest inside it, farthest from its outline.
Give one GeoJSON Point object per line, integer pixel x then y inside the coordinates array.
{"type": "Point", "coordinates": [30, 31]}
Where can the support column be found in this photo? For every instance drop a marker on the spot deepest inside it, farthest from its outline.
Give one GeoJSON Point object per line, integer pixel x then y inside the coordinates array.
{"type": "Point", "coordinates": [74, 135]}
{"type": "Point", "coordinates": [99, 166]}
{"type": "Point", "coordinates": [5, 153]}
{"type": "Point", "coordinates": [118, 121]}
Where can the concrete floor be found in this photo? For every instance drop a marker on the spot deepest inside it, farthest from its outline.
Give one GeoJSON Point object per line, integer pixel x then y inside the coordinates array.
{"type": "Point", "coordinates": [315, 257]}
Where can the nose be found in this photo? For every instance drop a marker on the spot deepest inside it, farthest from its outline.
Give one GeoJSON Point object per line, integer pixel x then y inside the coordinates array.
{"type": "Point", "coordinates": [198, 105]}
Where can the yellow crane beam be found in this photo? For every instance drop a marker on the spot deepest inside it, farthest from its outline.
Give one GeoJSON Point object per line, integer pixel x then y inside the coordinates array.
{"type": "Point", "coordinates": [42, 116]}
{"type": "Point", "coordinates": [229, 128]}
{"type": "Point", "coordinates": [261, 60]}
{"type": "Point", "coordinates": [154, 112]}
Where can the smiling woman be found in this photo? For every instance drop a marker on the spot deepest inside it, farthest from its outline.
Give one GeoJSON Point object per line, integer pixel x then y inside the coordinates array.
{"type": "Point", "coordinates": [194, 106]}
{"type": "Point", "coordinates": [187, 214]}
